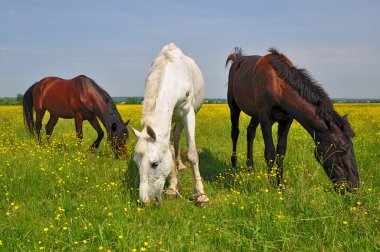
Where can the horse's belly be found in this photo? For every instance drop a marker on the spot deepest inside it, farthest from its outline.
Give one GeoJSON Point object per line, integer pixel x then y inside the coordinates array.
{"type": "Point", "coordinates": [58, 108]}
{"type": "Point", "coordinates": [247, 104]}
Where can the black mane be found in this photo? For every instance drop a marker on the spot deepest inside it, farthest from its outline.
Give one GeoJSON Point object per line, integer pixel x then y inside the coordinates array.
{"type": "Point", "coordinates": [310, 90]}
{"type": "Point", "coordinates": [112, 117]}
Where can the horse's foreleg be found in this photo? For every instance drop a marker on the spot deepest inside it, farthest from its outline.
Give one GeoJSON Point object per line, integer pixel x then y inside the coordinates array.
{"type": "Point", "coordinates": [189, 125]}
{"type": "Point", "coordinates": [95, 124]}
{"type": "Point", "coordinates": [49, 127]}
{"type": "Point", "coordinates": [234, 116]}
{"type": "Point", "coordinates": [176, 137]}
{"type": "Point", "coordinates": [283, 130]}
{"type": "Point", "coordinates": [39, 115]}
{"type": "Point", "coordinates": [251, 133]}
{"type": "Point", "coordinates": [269, 153]}
{"type": "Point", "coordinates": [172, 190]}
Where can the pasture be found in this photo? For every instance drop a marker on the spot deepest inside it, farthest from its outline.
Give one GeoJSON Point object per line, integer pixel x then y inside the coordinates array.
{"type": "Point", "coordinates": [59, 196]}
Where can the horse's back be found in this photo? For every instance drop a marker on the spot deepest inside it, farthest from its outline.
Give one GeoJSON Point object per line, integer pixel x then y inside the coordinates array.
{"type": "Point", "coordinates": [254, 85]}
{"type": "Point", "coordinates": [62, 97]}
{"type": "Point", "coordinates": [197, 82]}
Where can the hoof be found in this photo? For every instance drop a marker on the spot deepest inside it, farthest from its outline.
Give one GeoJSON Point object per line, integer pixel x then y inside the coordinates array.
{"type": "Point", "coordinates": [250, 166]}
{"type": "Point", "coordinates": [281, 187]}
{"type": "Point", "coordinates": [200, 200]}
{"type": "Point", "coordinates": [172, 194]}
{"type": "Point", "coordinates": [181, 167]}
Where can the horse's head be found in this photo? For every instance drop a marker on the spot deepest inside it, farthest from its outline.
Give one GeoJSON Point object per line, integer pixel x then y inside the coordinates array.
{"type": "Point", "coordinates": [154, 158]}
{"type": "Point", "coordinates": [334, 151]}
{"type": "Point", "coordinates": [118, 137]}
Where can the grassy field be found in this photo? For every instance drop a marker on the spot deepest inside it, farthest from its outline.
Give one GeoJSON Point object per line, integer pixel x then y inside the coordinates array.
{"type": "Point", "coordinates": [61, 197]}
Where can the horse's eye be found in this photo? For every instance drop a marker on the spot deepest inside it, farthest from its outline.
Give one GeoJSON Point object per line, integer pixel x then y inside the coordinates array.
{"type": "Point", "coordinates": [154, 165]}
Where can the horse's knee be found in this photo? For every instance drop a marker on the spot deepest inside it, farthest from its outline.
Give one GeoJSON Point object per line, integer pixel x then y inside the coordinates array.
{"type": "Point", "coordinates": [251, 132]}
{"type": "Point", "coordinates": [235, 132]}
{"type": "Point", "coordinates": [38, 126]}
{"type": "Point", "coordinates": [100, 135]}
{"type": "Point", "coordinates": [192, 155]}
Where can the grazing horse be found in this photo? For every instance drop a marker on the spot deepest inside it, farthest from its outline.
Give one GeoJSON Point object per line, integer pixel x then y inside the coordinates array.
{"type": "Point", "coordinates": [79, 98]}
{"type": "Point", "coordinates": [174, 93]}
{"type": "Point", "coordinates": [271, 89]}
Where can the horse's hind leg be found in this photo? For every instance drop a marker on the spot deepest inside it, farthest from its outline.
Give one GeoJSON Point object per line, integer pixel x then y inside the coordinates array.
{"type": "Point", "coordinates": [251, 133]}
{"type": "Point", "coordinates": [234, 116]}
{"type": "Point", "coordinates": [94, 122]}
{"type": "Point", "coordinates": [283, 130]}
{"type": "Point", "coordinates": [49, 127]}
{"type": "Point", "coordinates": [39, 115]}
{"type": "Point", "coordinates": [269, 153]}
{"type": "Point", "coordinates": [176, 137]}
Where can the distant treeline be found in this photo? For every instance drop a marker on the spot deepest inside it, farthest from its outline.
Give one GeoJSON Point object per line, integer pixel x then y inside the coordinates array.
{"type": "Point", "coordinates": [138, 100]}
{"type": "Point", "coordinates": [350, 100]}
{"type": "Point", "coordinates": [11, 100]}
{"type": "Point", "coordinates": [127, 100]}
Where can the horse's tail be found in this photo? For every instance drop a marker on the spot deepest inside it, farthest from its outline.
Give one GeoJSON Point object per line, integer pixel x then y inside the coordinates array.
{"type": "Point", "coordinates": [27, 103]}
{"type": "Point", "coordinates": [238, 52]}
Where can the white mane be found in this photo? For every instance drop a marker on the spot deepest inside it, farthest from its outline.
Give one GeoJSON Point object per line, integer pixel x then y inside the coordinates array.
{"type": "Point", "coordinates": [154, 79]}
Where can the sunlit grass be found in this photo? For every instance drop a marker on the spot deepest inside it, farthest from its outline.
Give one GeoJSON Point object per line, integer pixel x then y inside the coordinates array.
{"type": "Point", "coordinates": [61, 196]}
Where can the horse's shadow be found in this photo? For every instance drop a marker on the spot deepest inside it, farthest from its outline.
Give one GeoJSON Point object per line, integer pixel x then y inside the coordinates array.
{"type": "Point", "coordinates": [216, 171]}
{"type": "Point", "coordinates": [131, 180]}
{"type": "Point", "coordinates": [210, 166]}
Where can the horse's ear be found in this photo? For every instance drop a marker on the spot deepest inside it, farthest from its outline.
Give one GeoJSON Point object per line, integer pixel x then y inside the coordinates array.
{"type": "Point", "coordinates": [114, 127]}
{"type": "Point", "coordinates": [126, 123]}
{"type": "Point", "coordinates": [151, 132]}
{"type": "Point", "coordinates": [136, 133]}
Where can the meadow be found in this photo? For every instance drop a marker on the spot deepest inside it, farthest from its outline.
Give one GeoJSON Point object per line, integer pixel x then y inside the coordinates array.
{"type": "Point", "coordinates": [59, 196]}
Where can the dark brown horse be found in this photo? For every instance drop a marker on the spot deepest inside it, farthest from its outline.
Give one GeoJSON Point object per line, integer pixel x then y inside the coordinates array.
{"type": "Point", "coordinates": [271, 89]}
{"type": "Point", "coordinates": [79, 98]}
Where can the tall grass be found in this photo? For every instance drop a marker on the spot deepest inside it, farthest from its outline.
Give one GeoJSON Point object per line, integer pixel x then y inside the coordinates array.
{"type": "Point", "coordinates": [60, 196]}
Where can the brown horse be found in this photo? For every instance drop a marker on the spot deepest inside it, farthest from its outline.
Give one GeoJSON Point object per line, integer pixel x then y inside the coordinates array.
{"type": "Point", "coordinates": [271, 89]}
{"type": "Point", "coordinates": [79, 98]}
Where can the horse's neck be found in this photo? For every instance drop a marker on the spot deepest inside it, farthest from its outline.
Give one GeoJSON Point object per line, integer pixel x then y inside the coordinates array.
{"type": "Point", "coordinates": [306, 114]}
{"type": "Point", "coordinates": [161, 119]}
{"type": "Point", "coordinates": [103, 113]}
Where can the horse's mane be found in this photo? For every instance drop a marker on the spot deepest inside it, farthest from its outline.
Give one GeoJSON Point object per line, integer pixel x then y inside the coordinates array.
{"type": "Point", "coordinates": [306, 86]}
{"type": "Point", "coordinates": [154, 81]}
{"type": "Point", "coordinates": [112, 115]}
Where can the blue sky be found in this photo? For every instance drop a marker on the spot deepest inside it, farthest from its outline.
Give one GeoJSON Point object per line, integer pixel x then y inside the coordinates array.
{"type": "Point", "coordinates": [114, 42]}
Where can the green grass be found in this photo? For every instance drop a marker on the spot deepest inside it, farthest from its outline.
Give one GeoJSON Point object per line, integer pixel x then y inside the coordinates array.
{"type": "Point", "coordinates": [62, 197]}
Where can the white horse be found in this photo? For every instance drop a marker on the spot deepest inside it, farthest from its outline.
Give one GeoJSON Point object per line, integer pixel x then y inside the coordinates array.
{"type": "Point", "coordinates": [174, 92]}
